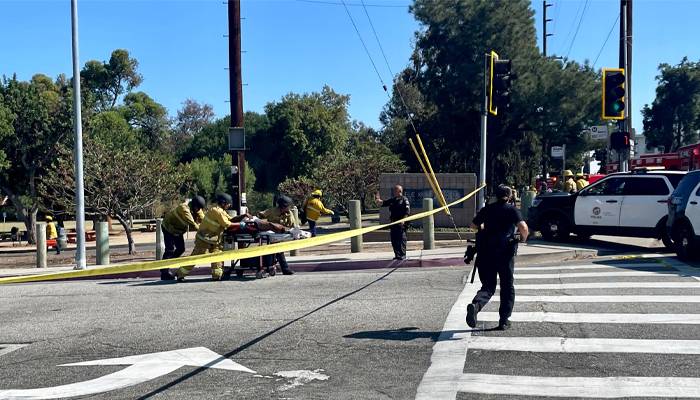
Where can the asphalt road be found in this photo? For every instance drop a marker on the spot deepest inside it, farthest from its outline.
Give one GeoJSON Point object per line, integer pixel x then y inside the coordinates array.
{"type": "Point", "coordinates": [382, 334]}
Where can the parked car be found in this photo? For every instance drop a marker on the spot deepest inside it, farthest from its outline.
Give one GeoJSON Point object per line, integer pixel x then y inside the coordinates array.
{"type": "Point", "coordinates": [684, 216]}
{"type": "Point", "coordinates": [623, 204]}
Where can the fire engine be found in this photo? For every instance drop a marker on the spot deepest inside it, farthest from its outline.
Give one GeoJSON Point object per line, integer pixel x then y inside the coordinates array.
{"type": "Point", "coordinates": [687, 158]}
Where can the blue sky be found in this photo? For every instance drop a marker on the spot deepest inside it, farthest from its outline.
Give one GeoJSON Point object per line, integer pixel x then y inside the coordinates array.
{"type": "Point", "coordinates": [301, 45]}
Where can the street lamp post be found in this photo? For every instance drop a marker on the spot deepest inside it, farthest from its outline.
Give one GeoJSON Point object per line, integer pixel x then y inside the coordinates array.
{"type": "Point", "coordinates": [80, 262]}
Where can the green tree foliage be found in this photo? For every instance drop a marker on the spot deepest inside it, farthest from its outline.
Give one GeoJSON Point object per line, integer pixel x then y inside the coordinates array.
{"type": "Point", "coordinates": [443, 89]}
{"type": "Point", "coordinates": [350, 174]}
{"type": "Point", "coordinates": [6, 129]}
{"type": "Point", "coordinates": [191, 119]}
{"type": "Point", "coordinates": [673, 119]}
{"type": "Point", "coordinates": [39, 113]}
{"type": "Point", "coordinates": [105, 82]}
{"type": "Point", "coordinates": [302, 130]}
{"type": "Point", "coordinates": [148, 118]}
{"type": "Point", "coordinates": [111, 129]}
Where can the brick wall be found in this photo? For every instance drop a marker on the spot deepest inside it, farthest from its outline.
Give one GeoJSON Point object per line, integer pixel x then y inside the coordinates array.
{"type": "Point", "coordinates": [416, 187]}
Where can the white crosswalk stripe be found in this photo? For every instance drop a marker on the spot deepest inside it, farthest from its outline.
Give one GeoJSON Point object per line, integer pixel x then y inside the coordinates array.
{"type": "Point", "coordinates": [449, 372]}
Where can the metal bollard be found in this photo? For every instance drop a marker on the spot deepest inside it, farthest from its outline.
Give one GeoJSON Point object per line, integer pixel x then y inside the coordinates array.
{"type": "Point", "coordinates": [160, 246]}
{"type": "Point", "coordinates": [295, 213]}
{"type": "Point", "coordinates": [102, 245]}
{"type": "Point", "coordinates": [428, 226]}
{"type": "Point", "coordinates": [526, 202]}
{"type": "Point", "coordinates": [41, 244]}
{"type": "Point", "coordinates": [355, 216]}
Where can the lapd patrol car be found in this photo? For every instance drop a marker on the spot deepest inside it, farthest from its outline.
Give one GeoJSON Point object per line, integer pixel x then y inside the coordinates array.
{"type": "Point", "coordinates": [684, 216]}
{"type": "Point", "coordinates": [624, 204]}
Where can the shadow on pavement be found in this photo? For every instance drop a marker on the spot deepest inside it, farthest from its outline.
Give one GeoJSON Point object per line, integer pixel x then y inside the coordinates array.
{"type": "Point", "coordinates": [408, 333]}
{"type": "Point", "coordinates": [261, 337]}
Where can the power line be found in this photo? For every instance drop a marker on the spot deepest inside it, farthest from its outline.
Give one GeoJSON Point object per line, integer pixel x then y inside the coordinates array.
{"type": "Point", "coordinates": [364, 45]}
{"type": "Point", "coordinates": [585, 6]}
{"type": "Point", "coordinates": [333, 3]}
{"type": "Point", "coordinates": [388, 66]}
{"type": "Point", "coordinates": [571, 27]}
{"type": "Point", "coordinates": [606, 40]}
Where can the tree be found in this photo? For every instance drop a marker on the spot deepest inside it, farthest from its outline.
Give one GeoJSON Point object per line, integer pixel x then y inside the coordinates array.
{"type": "Point", "coordinates": [350, 174]}
{"type": "Point", "coordinates": [302, 130]}
{"type": "Point", "coordinates": [105, 82]}
{"type": "Point", "coordinates": [148, 118]}
{"type": "Point", "coordinates": [41, 120]}
{"type": "Point", "coordinates": [6, 120]}
{"type": "Point", "coordinates": [443, 91]}
{"type": "Point", "coordinates": [192, 118]}
{"type": "Point", "coordinates": [673, 119]}
{"type": "Point", "coordinates": [111, 129]}
{"type": "Point", "coordinates": [109, 191]}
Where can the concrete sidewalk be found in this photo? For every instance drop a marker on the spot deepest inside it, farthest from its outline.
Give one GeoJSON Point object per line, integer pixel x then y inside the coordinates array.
{"type": "Point", "coordinates": [441, 257]}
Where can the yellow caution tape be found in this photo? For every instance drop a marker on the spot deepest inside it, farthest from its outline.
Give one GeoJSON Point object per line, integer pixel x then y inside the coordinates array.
{"type": "Point", "coordinates": [427, 175]}
{"type": "Point", "coordinates": [432, 174]}
{"type": "Point", "coordinates": [226, 255]}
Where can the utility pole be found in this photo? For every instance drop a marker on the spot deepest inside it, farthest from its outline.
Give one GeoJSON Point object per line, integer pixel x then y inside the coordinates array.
{"type": "Point", "coordinates": [625, 62]}
{"type": "Point", "coordinates": [236, 101]}
{"type": "Point", "coordinates": [80, 261]}
{"type": "Point", "coordinates": [544, 26]}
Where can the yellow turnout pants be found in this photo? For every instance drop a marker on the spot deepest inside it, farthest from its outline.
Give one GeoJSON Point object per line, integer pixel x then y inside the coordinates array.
{"type": "Point", "coordinates": [202, 247]}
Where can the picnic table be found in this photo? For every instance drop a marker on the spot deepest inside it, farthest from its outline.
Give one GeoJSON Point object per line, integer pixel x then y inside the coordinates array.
{"type": "Point", "coordinates": [90, 236]}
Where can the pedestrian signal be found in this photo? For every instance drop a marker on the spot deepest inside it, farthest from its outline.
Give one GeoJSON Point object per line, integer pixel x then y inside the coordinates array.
{"type": "Point", "coordinates": [613, 93]}
{"type": "Point", "coordinates": [620, 140]}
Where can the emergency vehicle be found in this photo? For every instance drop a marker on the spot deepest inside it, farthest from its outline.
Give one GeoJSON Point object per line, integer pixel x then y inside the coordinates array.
{"type": "Point", "coordinates": [622, 204]}
{"type": "Point", "coordinates": [687, 158]}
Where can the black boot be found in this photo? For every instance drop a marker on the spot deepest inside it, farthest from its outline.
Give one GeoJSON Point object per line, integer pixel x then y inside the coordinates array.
{"type": "Point", "coordinates": [165, 275]}
{"type": "Point", "coordinates": [287, 271]}
{"type": "Point", "coordinates": [472, 310]}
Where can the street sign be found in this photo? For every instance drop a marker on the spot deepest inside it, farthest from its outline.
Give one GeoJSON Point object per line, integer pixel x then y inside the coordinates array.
{"type": "Point", "coordinates": [557, 151]}
{"type": "Point", "coordinates": [599, 132]}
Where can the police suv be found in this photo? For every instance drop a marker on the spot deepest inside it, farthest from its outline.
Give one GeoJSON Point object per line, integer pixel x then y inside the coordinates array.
{"type": "Point", "coordinates": [684, 216]}
{"type": "Point", "coordinates": [623, 204]}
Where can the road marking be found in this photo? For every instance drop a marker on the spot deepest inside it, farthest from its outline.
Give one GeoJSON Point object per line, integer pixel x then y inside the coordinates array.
{"type": "Point", "coordinates": [567, 386]}
{"type": "Point", "coordinates": [142, 368]}
{"type": "Point", "coordinates": [606, 299]}
{"type": "Point", "coordinates": [595, 318]}
{"type": "Point", "coordinates": [449, 352]}
{"type": "Point", "coordinates": [610, 285]}
{"type": "Point", "coordinates": [9, 348]}
{"type": "Point", "coordinates": [583, 345]}
{"type": "Point", "coordinates": [610, 274]}
{"type": "Point", "coordinates": [591, 266]}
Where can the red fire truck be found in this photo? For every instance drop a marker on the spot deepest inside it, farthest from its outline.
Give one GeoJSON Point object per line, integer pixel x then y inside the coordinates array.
{"type": "Point", "coordinates": [687, 158]}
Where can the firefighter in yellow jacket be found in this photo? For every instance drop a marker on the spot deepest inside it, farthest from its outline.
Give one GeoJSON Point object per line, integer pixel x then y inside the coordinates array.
{"type": "Point", "coordinates": [185, 217]}
{"type": "Point", "coordinates": [52, 232]}
{"type": "Point", "coordinates": [569, 183]}
{"type": "Point", "coordinates": [209, 238]}
{"type": "Point", "coordinates": [581, 182]}
{"type": "Point", "coordinates": [281, 215]}
{"type": "Point", "coordinates": [314, 208]}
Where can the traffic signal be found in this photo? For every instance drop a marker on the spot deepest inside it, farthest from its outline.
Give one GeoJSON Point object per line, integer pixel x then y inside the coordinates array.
{"type": "Point", "coordinates": [620, 140]}
{"type": "Point", "coordinates": [500, 80]}
{"type": "Point", "coordinates": [613, 93]}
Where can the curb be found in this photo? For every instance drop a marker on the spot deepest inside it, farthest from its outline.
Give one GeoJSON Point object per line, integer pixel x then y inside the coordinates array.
{"type": "Point", "coordinates": [330, 266]}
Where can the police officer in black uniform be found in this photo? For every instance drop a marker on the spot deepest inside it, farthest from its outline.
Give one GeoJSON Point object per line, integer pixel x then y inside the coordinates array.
{"type": "Point", "coordinates": [496, 223]}
{"type": "Point", "coordinates": [399, 208]}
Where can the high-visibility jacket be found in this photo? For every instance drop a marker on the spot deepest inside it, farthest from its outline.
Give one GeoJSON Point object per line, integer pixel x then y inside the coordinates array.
{"type": "Point", "coordinates": [215, 221]}
{"type": "Point", "coordinates": [314, 208]}
{"type": "Point", "coordinates": [277, 216]}
{"type": "Point", "coordinates": [569, 185]}
{"type": "Point", "coordinates": [581, 183]}
{"type": "Point", "coordinates": [179, 220]}
{"type": "Point", "coordinates": [51, 232]}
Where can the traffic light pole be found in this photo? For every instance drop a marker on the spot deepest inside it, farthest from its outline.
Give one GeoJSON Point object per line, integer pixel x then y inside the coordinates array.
{"type": "Point", "coordinates": [484, 120]}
